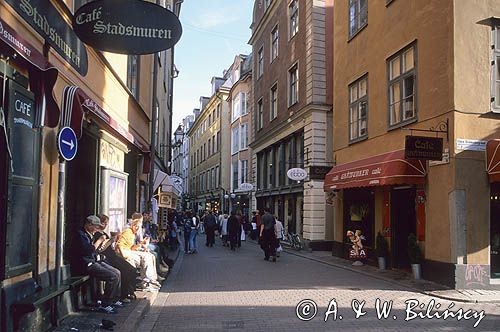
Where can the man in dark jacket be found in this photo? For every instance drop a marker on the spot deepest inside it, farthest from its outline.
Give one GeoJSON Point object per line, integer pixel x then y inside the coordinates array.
{"type": "Point", "coordinates": [233, 229]}
{"type": "Point", "coordinates": [210, 226]}
{"type": "Point", "coordinates": [86, 260]}
{"type": "Point", "coordinates": [268, 236]}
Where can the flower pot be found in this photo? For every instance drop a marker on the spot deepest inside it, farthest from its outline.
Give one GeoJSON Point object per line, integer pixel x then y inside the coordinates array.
{"type": "Point", "coordinates": [381, 263]}
{"type": "Point", "coordinates": [417, 271]}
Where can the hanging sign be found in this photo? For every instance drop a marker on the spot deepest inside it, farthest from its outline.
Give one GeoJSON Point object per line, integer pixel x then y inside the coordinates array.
{"type": "Point", "coordinates": [42, 16]}
{"type": "Point", "coordinates": [245, 186]}
{"type": "Point", "coordinates": [424, 148]}
{"type": "Point", "coordinates": [127, 26]}
{"type": "Point", "coordinates": [296, 174]}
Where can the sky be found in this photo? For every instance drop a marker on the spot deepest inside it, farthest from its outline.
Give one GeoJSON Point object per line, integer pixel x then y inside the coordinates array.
{"type": "Point", "coordinates": [214, 32]}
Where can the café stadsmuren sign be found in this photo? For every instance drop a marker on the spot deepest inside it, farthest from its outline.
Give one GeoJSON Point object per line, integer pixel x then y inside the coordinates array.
{"type": "Point", "coordinates": [424, 148]}
{"type": "Point", "coordinates": [127, 26]}
{"type": "Point", "coordinates": [42, 16]}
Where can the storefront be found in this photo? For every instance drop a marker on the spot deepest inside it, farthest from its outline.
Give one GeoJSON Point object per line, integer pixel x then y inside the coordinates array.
{"type": "Point", "coordinates": [379, 194]}
{"type": "Point", "coordinates": [493, 169]}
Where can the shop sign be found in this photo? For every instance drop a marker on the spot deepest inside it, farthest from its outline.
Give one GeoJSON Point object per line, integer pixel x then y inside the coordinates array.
{"type": "Point", "coordinates": [296, 174]}
{"type": "Point", "coordinates": [167, 200]}
{"type": "Point", "coordinates": [246, 187]}
{"type": "Point", "coordinates": [42, 16]}
{"type": "Point", "coordinates": [127, 26]}
{"type": "Point", "coordinates": [423, 148]}
{"type": "Point", "coordinates": [471, 144]}
{"type": "Point", "coordinates": [111, 156]}
{"type": "Point", "coordinates": [444, 160]}
{"type": "Point", "coordinates": [318, 172]}
{"type": "Point", "coordinates": [11, 38]}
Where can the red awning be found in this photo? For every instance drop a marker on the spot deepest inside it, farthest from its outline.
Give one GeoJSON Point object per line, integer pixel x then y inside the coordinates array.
{"type": "Point", "coordinates": [386, 169]}
{"type": "Point", "coordinates": [493, 160]}
{"type": "Point", "coordinates": [75, 103]}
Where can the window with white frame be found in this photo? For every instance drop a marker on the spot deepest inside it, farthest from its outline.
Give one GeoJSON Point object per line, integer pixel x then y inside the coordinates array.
{"type": "Point", "coordinates": [236, 108]}
{"type": "Point", "coordinates": [260, 114]}
{"type": "Point", "coordinates": [260, 63]}
{"type": "Point", "coordinates": [402, 77]}
{"type": "Point", "coordinates": [235, 140]}
{"type": "Point", "coordinates": [495, 68]}
{"type": "Point", "coordinates": [358, 16]}
{"type": "Point", "coordinates": [274, 43]}
{"type": "Point", "coordinates": [293, 89]}
{"type": "Point", "coordinates": [273, 114]}
{"type": "Point", "coordinates": [244, 103]}
{"type": "Point", "coordinates": [358, 109]}
{"type": "Point", "coordinates": [268, 3]}
{"type": "Point", "coordinates": [244, 171]}
{"type": "Point", "coordinates": [293, 10]}
{"type": "Point", "coordinates": [234, 168]}
{"type": "Point", "coordinates": [243, 136]}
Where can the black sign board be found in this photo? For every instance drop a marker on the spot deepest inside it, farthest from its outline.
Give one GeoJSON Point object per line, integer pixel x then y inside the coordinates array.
{"type": "Point", "coordinates": [426, 148]}
{"type": "Point", "coordinates": [127, 26]}
{"type": "Point", "coordinates": [46, 20]}
{"type": "Point", "coordinates": [318, 172]}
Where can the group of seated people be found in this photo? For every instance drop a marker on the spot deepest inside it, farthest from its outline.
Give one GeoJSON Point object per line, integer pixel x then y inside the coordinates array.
{"type": "Point", "coordinates": [125, 262]}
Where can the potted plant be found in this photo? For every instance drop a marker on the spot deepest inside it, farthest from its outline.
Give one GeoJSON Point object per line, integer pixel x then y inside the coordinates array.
{"type": "Point", "coordinates": [415, 255]}
{"type": "Point", "coordinates": [382, 249]}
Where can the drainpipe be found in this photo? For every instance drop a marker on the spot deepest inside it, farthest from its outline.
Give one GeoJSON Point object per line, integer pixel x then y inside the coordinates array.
{"type": "Point", "coordinates": [153, 129]}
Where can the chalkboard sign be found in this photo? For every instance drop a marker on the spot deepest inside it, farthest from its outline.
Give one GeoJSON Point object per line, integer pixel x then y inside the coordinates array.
{"type": "Point", "coordinates": [23, 180]}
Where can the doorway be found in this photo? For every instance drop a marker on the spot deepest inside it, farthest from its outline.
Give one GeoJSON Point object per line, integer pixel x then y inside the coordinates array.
{"type": "Point", "coordinates": [403, 219]}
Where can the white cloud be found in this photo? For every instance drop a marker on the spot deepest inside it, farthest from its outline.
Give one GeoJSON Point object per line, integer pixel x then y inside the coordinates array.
{"type": "Point", "coordinates": [215, 18]}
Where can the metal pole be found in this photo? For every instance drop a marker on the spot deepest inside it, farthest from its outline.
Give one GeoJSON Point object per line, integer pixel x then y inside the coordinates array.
{"type": "Point", "coordinates": [60, 219]}
{"type": "Point", "coordinates": [153, 131]}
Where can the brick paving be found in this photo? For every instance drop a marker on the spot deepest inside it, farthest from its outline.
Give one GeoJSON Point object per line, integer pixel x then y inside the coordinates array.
{"type": "Point", "coordinates": [220, 290]}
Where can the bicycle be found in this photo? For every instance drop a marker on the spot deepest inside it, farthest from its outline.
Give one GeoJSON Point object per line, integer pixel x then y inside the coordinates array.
{"type": "Point", "coordinates": [294, 241]}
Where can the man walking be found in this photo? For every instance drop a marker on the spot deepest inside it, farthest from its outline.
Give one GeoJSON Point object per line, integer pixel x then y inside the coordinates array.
{"type": "Point", "coordinates": [268, 236]}
{"type": "Point", "coordinates": [210, 226]}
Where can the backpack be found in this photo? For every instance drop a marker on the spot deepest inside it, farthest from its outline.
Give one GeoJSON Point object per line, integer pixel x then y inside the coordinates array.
{"type": "Point", "coordinates": [188, 223]}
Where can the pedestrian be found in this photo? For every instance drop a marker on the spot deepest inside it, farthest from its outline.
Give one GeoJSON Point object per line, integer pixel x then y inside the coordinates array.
{"type": "Point", "coordinates": [195, 225]}
{"type": "Point", "coordinates": [187, 230]}
{"type": "Point", "coordinates": [233, 230]}
{"type": "Point", "coordinates": [241, 234]}
{"type": "Point", "coordinates": [210, 226]}
{"type": "Point", "coordinates": [85, 260]}
{"type": "Point", "coordinates": [267, 236]}
{"type": "Point", "coordinates": [278, 230]}
{"type": "Point", "coordinates": [223, 229]}
{"type": "Point", "coordinates": [173, 238]}
{"type": "Point", "coordinates": [255, 231]}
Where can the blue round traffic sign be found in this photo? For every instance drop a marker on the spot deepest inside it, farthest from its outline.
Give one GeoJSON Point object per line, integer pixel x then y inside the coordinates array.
{"type": "Point", "coordinates": [67, 143]}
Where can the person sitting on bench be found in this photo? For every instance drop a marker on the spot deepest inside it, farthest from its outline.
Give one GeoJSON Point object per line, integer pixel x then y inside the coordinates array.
{"type": "Point", "coordinates": [138, 254]}
{"type": "Point", "coordinates": [86, 260]}
{"type": "Point", "coordinates": [128, 272]}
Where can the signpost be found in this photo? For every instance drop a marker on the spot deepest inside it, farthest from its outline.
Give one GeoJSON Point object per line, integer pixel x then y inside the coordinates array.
{"type": "Point", "coordinates": [67, 143]}
{"type": "Point", "coordinates": [424, 148]}
{"type": "Point", "coordinates": [296, 174]}
{"type": "Point", "coordinates": [127, 26]}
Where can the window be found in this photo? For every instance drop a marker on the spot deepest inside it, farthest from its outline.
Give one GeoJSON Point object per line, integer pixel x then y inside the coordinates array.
{"type": "Point", "coordinates": [358, 109]}
{"type": "Point", "coordinates": [243, 103]}
{"type": "Point", "coordinates": [209, 119]}
{"type": "Point", "coordinates": [213, 144]}
{"type": "Point", "coordinates": [133, 75]}
{"type": "Point", "coordinates": [260, 114]}
{"type": "Point", "coordinates": [244, 171]}
{"type": "Point", "coordinates": [216, 177]}
{"type": "Point", "coordinates": [243, 136]}
{"type": "Point", "coordinates": [235, 142]}
{"type": "Point", "coordinates": [234, 167]}
{"type": "Point", "coordinates": [236, 109]}
{"type": "Point", "coordinates": [274, 43]}
{"type": "Point", "coordinates": [293, 10]}
{"type": "Point", "coordinates": [402, 76]}
{"type": "Point", "coordinates": [209, 147]}
{"type": "Point", "coordinates": [268, 3]}
{"type": "Point", "coordinates": [293, 79]}
{"type": "Point", "coordinates": [218, 140]}
{"type": "Point", "coordinates": [273, 114]}
{"type": "Point", "coordinates": [213, 116]}
{"type": "Point", "coordinates": [218, 110]}
{"type": "Point", "coordinates": [495, 67]}
{"type": "Point", "coordinates": [358, 16]}
{"type": "Point", "coordinates": [204, 151]}
{"type": "Point", "coordinates": [260, 65]}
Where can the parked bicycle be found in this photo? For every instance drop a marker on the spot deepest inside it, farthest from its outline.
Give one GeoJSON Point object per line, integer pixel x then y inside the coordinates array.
{"type": "Point", "coordinates": [294, 241]}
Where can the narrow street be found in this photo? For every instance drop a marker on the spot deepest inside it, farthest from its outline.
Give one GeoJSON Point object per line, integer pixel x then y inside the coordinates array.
{"type": "Point", "coordinates": [218, 290]}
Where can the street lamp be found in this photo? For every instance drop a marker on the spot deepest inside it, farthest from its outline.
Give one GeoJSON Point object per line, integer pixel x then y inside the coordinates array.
{"type": "Point", "coordinates": [178, 135]}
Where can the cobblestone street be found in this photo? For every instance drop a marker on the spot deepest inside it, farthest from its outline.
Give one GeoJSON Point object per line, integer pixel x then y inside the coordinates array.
{"type": "Point", "coordinates": [217, 289]}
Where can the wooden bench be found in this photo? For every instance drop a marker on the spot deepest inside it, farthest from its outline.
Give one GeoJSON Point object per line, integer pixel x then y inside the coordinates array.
{"type": "Point", "coordinates": [75, 284]}
{"type": "Point", "coordinates": [32, 302]}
